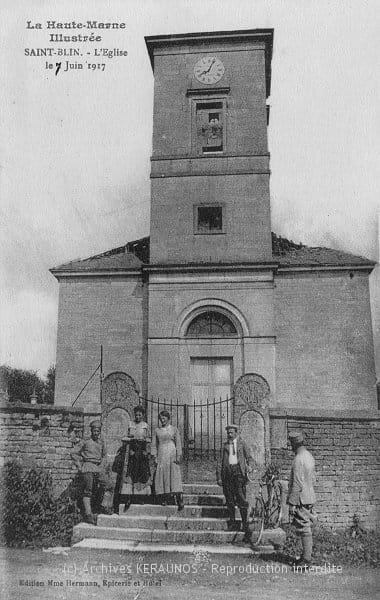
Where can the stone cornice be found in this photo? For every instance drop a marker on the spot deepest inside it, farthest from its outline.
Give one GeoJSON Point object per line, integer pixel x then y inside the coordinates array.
{"type": "Point", "coordinates": [312, 268]}
{"type": "Point", "coordinates": [213, 267]}
{"type": "Point", "coordinates": [196, 267]}
{"type": "Point", "coordinates": [320, 414]}
{"type": "Point", "coordinates": [97, 273]}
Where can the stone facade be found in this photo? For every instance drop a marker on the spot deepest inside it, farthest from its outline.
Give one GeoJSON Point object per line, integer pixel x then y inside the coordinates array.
{"type": "Point", "coordinates": [96, 311]}
{"type": "Point", "coordinates": [176, 299]}
{"type": "Point", "coordinates": [302, 315]}
{"type": "Point", "coordinates": [307, 333]}
{"type": "Point", "coordinates": [324, 345]}
{"type": "Point", "coordinates": [236, 176]}
{"type": "Point", "coordinates": [299, 318]}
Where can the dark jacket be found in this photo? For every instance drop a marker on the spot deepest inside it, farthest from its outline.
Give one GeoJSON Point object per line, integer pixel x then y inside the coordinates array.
{"type": "Point", "coordinates": [119, 466]}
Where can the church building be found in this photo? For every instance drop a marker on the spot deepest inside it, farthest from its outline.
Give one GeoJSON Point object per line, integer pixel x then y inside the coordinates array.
{"type": "Point", "coordinates": [213, 294]}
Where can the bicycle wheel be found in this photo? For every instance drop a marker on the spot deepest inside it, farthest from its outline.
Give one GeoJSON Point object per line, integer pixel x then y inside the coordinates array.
{"type": "Point", "coordinates": [256, 522]}
{"type": "Point", "coordinates": [274, 506]}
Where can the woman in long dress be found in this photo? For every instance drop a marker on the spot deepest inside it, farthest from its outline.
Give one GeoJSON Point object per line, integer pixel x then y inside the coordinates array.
{"type": "Point", "coordinates": [132, 461]}
{"type": "Point", "coordinates": [167, 448]}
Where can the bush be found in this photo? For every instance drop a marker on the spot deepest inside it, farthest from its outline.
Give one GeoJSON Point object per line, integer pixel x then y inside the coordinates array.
{"type": "Point", "coordinates": [30, 515]}
{"type": "Point", "coordinates": [361, 548]}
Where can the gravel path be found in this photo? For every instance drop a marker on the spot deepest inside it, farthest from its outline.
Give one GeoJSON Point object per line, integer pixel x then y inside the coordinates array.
{"type": "Point", "coordinates": [84, 574]}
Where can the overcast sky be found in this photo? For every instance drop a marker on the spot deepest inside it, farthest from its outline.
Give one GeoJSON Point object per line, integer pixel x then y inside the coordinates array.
{"type": "Point", "coordinates": [75, 147]}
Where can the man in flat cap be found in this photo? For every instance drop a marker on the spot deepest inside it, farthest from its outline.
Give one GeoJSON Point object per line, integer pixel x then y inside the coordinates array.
{"type": "Point", "coordinates": [89, 457]}
{"type": "Point", "coordinates": [232, 476]}
{"type": "Point", "coordinates": [301, 496]}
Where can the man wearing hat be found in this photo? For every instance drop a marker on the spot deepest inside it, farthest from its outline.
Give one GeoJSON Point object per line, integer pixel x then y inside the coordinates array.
{"type": "Point", "coordinates": [233, 476]}
{"type": "Point", "coordinates": [89, 457]}
{"type": "Point", "coordinates": [301, 496]}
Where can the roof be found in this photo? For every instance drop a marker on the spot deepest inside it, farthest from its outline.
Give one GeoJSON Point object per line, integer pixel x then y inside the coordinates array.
{"type": "Point", "coordinates": [306, 256]}
{"type": "Point", "coordinates": [287, 254]}
{"type": "Point", "coordinates": [127, 257]}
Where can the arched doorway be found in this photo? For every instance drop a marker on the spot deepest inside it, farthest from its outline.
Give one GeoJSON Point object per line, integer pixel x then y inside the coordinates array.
{"type": "Point", "coordinates": [211, 377]}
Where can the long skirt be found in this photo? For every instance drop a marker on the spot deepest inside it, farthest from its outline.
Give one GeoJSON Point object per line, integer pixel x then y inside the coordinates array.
{"type": "Point", "coordinates": [168, 478]}
{"type": "Point", "coordinates": [137, 478]}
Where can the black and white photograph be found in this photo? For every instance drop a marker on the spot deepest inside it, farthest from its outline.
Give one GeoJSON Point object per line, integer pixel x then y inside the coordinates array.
{"type": "Point", "coordinates": [189, 299]}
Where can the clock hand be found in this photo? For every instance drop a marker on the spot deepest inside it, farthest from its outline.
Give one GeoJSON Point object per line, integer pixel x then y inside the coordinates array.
{"type": "Point", "coordinates": [212, 62]}
{"type": "Point", "coordinates": [205, 72]}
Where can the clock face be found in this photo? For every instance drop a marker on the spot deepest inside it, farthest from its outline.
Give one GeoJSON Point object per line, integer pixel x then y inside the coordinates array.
{"type": "Point", "coordinates": [208, 69]}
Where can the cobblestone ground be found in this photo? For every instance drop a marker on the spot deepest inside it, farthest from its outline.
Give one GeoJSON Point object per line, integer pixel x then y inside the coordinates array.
{"type": "Point", "coordinates": [83, 574]}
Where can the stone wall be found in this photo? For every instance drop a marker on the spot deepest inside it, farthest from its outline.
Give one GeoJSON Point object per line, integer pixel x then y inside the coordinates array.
{"type": "Point", "coordinates": [324, 343]}
{"type": "Point", "coordinates": [98, 311]}
{"type": "Point", "coordinates": [345, 445]}
{"type": "Point", "coordinates": [42, 436]}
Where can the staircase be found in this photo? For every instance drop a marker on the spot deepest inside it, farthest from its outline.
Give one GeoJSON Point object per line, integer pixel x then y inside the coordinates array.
{"type": "Point", "coordinates": [202, 524]}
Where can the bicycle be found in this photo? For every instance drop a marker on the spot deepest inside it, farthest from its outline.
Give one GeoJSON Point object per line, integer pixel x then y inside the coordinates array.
{"type": "Point", "coordinates": [266, 513]}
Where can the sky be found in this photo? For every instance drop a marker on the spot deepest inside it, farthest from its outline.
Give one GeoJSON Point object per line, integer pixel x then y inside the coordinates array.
{"type": "Point", "coordinates": [75, 147]}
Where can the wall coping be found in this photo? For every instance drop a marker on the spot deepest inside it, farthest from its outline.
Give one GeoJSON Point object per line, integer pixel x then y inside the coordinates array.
{"type": "Point", "coordinates": [280, 412]}
{"type": "Point", "coordinates": [275, 412]}
{"type": "Point", "coordinates": [25, 407]}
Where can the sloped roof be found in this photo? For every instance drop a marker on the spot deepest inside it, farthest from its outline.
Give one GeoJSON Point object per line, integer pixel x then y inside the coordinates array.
{"type": "Point", "coordinates": [306, 256]}
{"type": "Point", "coordinates": [118, 259]}
{"type": "Point", "coordinates": [286, 253]}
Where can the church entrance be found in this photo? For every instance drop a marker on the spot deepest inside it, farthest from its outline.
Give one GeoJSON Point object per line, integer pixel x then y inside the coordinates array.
{"type": "Point", "coordinates": [201, 421]}
{"type": "Point", "coordinates": [209, 409]}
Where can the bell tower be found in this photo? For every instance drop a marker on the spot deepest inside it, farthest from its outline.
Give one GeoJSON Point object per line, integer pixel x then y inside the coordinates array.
{"type": "Point", "coordinates": [210, 162]}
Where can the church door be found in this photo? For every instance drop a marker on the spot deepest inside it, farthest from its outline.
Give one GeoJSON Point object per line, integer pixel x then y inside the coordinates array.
{"type": "Point", "coordinates": [209, 412]}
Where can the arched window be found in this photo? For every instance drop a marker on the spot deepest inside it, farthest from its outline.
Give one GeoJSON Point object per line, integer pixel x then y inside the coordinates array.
{"type": "Point", "coordinates": [211, 324]}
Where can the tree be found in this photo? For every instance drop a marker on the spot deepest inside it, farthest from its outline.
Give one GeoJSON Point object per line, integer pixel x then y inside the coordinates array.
{"type": "Point", "coordinates": [21, 384]}
{"type": "Point", "coordinates": [50, 385]}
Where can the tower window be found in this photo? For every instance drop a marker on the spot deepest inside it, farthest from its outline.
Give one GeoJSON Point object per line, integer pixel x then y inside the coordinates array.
{"type": "Point", "coordinates": [210, 126]}
{"type": "Point", "coordinates": [209, 219]}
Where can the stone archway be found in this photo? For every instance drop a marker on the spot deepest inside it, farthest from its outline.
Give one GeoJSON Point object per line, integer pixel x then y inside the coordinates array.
{"type": "Point", "coordinates": [119, 396]}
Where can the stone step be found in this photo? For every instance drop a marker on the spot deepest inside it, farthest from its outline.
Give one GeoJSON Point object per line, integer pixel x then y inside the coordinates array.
{"type": "Point", "coordinates": [189, 498]}
{"type": "Point", "coordinates": [171, 522]}
{"type": "Point", "coordinates": [274, 537]}
{"type": "Point", "coordinates": [201, 499]}
{"type": "Point", "coordinates": [84, 530]}
{"type": "Point", "coordinates": [143, 547]}
{"type": "Point", "coordinates": [153, 510]}
{"type": "Point", "coordinates": [202, 489]}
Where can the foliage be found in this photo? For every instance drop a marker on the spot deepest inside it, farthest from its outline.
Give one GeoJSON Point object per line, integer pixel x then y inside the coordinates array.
{"type": "Point", "coordinates": [30, 515]}
{"type": "Point", "coordinates": [339, 547]}
{"type": "Point", "coordinates": [21, 384]}
{"type": "Point", "coordinates": [49, 385]}
{"type": "Point", "coordinates": [272, 470]}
